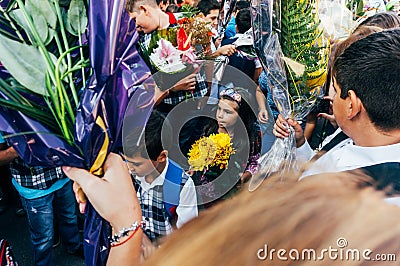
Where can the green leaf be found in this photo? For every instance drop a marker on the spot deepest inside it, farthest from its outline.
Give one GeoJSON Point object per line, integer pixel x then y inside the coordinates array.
{"type": "Point", "coordinates": [38, 19]}
{"type": "Point", "coordinates": [360, 7]}
{"type": "Point", "coordinates": [67, 26]}
{"type": "Point", "coordinates": [77, 18]}
{"type": "Point", "coordinates": [19, 17]}
{"type": "Point", "coordinates": [43, 11]}
{"type": "Point", "coordinates": [25, 63]}
{"type": "Point", "coordinates": [46, 9]}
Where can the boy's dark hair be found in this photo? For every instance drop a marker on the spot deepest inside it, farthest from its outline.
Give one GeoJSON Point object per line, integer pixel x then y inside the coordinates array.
{"type": "Point", "coordinates": [243, 20]}
{"type": "Point", "coordinates": [384, 20]}
{"type": "Point", "coordinates": [205, 6]}
{"type": "Point", "coordinates": [157, 133]}
{"type": "Point", "coordinates": [131, 5]}
{"type": "Point", "coordinates": [242, 4]}
{"type": "Point", "coordinates": [172, 8]}
{"type": "Point", "coordinates": [370, 67]}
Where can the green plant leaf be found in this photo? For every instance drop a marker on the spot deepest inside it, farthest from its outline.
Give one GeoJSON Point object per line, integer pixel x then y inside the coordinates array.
{"type": "Point", "coordinates": [38, 19]}
{"type": "Point", "coordinates": [77, 18]}
{"type": "Point", "coordinates": [46, 9]}
{"type": "Point", "coordinates": [19, 17]}
{"type": "Point", "coordinates": [67, 26]}
{"type": "Point", "coordinates": [25, 63]}
{"type": "Point", "coordinates": [43, 11]}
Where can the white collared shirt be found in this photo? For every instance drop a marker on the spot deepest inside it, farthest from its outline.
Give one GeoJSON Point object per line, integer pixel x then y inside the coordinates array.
{"type": "Point", "coordinates": [187, 208]}
{"type": "Point", "coordinates": [347, 156]}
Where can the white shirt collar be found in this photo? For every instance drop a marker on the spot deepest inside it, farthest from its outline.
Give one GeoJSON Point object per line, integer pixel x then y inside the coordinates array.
{"type": "Point", "coordinates": [347, 156]}
{"type": "Point", "coordinates": [354, 155]}
{"type": "Point", "coordinates": [159, 181]}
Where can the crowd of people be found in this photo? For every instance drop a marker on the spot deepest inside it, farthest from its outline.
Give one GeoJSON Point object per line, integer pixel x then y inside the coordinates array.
{"type": "Point", "coordinates": [164, 212]}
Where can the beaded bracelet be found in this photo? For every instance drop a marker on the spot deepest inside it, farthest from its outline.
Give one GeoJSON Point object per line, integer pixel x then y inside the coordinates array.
{"type": "Point", "coordinates": [115, 239]}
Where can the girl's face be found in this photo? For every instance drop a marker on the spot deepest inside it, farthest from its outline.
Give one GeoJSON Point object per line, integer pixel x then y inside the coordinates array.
{"type": "Point", "coordinates": [227, 114]}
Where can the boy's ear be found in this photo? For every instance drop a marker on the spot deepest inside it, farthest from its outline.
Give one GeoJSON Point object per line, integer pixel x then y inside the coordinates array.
{"type": "Point", "coordinates": [355, 105]}
{"type": "Point", "coordinates": [163, 156]}
{"type": "Point", "coordinates": [145, 9]}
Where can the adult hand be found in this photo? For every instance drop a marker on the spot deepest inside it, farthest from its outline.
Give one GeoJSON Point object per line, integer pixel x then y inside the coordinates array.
{"type": "Point", "coordinates": [281, 130]}
{"type": "Point", "coordinates": [113, 196]}
{"type": "Point", "coordinates": [263, 116]}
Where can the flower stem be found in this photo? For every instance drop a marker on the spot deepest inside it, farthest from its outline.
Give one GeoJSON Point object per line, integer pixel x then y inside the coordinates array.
{"type": "Point", "coordinates": [69, 59]}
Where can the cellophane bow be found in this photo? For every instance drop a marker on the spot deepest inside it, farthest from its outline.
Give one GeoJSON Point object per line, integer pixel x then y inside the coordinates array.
{"type": "Point", "coordinates": [295, 70]}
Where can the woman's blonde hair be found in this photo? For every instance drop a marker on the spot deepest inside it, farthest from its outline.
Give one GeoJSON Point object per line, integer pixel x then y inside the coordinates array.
{"type": "Point", "coordinates": [316, 213]}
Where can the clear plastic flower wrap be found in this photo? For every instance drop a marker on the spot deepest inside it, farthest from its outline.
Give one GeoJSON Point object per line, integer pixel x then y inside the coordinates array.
{"type": "Point", "coordinates": [295, 79]}
{"type": "Point", "coordinates": [336, 19]}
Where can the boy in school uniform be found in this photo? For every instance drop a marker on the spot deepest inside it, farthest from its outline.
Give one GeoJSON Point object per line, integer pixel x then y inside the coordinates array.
{"type": "Point", "coordinates": [166, 194]}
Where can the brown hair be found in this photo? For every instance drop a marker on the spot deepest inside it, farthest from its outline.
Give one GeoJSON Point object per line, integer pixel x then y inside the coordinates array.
{"type": "Point", "coordinates": [384, 20]}
{"type": "Point", "coordinates": [311, 214]}
{"type": "Point", "coordinates": [373, 24]}
{"type": "Point", "coordinates": [361, 33]}
{"type": "Point", "coordinates": [132, 5]}
{"type": "Point", "coordinates": [339, 47]}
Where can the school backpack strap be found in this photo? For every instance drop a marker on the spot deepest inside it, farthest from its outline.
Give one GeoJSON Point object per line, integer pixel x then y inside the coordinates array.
{"type": "Point", "coordinates": [335, 141]}
{"type": "Point", "coordinates": [386, 175]}
{"type": "Point", "coordinates": [172, 189]}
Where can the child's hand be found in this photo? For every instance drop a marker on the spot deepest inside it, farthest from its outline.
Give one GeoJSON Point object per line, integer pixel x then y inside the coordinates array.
{"type": "Point", "coordinates": [190, 172]}
{"type": "Point", "coordinates": [147, 248]}
{"type": "Point", "coordinates": [186, 84]}
{"type": "Point", "coordinates": [281, 130]}
{"type": "Point", "coordinates": [226, 50]}
{"type": "Point", "coordinates": [329, 116]}
{"type": "Point", "coordinates": [263, 116]}
{"type": "Point", "coordinates": [245, 177]}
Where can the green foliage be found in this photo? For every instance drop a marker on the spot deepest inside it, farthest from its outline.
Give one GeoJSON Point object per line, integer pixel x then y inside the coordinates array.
{"type": "Point", "coordinates": [299, 39]}
{"type": "Point", "coordinates": [189, 11]}
{"type": "Point", "coordinates": [356, 6]}
{"type": "Point", "coordinates": [37, 40]}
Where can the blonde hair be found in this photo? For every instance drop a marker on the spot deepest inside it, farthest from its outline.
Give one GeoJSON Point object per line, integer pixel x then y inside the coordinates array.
{"type": "Point", "coordinates": [311, 214]}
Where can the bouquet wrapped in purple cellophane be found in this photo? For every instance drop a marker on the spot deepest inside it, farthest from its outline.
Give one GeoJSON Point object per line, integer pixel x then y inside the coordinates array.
{"type": "Point", "coordinates": [118, 76]}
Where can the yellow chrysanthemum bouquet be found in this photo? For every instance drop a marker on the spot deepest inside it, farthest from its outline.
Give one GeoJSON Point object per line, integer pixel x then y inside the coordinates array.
{"type": "Point", "coordinates": [214, 150]}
